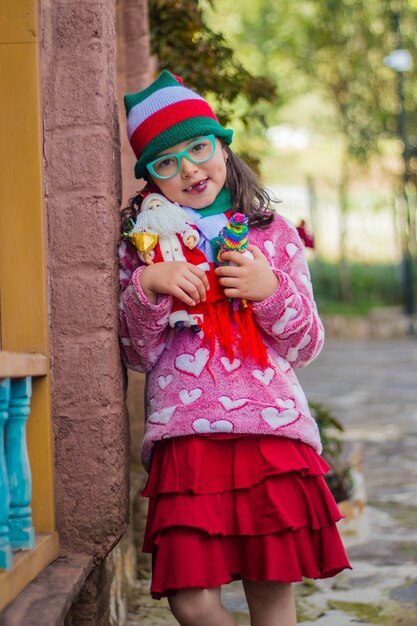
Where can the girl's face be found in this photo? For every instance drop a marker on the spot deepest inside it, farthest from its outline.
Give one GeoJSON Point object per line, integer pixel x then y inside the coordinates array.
{"type": "Point", "coordinates": [196, 185]}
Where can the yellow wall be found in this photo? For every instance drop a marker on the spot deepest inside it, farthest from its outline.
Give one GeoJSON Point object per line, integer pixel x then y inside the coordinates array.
{"type": "Point", "coordinates": [22, 234]}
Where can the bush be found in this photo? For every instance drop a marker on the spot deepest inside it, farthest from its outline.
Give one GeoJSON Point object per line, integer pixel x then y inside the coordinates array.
{"type": "Point", "coordinates": [338, 479]}
{"type": "Point", "coordinates": [371, 286]}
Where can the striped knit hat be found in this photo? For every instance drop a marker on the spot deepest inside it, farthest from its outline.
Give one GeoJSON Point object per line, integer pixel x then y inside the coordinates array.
{"type": "Point", "coordinates": [164, 114]}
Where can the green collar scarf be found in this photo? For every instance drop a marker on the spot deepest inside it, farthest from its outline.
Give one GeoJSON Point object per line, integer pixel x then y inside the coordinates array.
{"type": "Point", "coordinates": [222, 203]}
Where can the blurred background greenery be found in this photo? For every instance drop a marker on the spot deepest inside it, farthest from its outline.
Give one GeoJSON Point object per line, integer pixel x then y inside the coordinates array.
{"type": "Point", "coordinates": [325, 107]}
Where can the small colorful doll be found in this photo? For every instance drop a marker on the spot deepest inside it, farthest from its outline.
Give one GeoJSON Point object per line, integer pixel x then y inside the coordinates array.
{"type": "Point", "coordinates": [244, 332]}
{"type": "Point", "coordinates": [235, 237]}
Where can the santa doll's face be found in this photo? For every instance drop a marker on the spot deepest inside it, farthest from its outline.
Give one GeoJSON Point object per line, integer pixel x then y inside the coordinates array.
{"type": "Point", "coordinates": [196, 185]}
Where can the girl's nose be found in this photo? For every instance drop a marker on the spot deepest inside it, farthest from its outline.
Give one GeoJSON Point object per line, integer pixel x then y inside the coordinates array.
{"type": "Point", "coordinates": [187, 167]}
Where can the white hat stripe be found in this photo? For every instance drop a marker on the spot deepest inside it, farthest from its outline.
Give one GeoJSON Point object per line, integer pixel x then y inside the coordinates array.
{"type": "Point", "coordinates": [155, 102]}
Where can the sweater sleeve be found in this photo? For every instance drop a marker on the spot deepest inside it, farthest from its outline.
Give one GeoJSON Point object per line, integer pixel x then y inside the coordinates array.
{"type": "Point", "coordinates": [289, 316]}
{"type": "Point", "coordinates": [143, 326]}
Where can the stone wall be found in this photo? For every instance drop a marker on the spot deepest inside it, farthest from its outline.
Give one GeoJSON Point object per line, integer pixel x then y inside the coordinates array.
{"type": "Point", "coordinates": [85, 44]}
{"type": "Point", "coordinates": [82, 197]}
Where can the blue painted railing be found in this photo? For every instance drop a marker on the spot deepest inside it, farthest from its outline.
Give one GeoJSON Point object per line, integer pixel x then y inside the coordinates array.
{"type": "Point", "coordinates": [16, 530]}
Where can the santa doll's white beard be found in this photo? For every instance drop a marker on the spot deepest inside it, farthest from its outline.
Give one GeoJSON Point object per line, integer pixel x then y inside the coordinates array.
{"type": "Point", "coordinates": [164, 220]}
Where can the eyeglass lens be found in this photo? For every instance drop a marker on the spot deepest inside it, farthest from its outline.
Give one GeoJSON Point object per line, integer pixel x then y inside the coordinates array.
{"type": "Point", "coordinates": [197, 152]}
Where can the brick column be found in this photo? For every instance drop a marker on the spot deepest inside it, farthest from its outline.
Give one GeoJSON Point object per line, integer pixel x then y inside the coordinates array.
{"type": "Point", "coordinates": [134, 72]}
{"type": "Point", "coordinates": [82, 193]}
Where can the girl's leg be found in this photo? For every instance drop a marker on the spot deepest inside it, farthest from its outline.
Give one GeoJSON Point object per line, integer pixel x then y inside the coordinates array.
{"type": "Point", "coordinates": [270, 603]}
{"type": "Point", "coordinates": [200, 607]}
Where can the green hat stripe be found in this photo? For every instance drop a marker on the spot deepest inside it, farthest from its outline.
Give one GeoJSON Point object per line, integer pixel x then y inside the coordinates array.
{"type": "Point", "coordinates": [187, 129]}
{"type": "Point", "coordinates": [165, 79]}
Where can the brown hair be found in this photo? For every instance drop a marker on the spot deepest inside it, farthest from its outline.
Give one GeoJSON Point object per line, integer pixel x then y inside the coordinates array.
{"type": "Point", "coordinates": [132, 210]}
{"type": "Point", "coordinates": [247, 194]}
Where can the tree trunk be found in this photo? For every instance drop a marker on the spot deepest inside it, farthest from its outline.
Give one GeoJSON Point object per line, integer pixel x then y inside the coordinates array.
{"type": "Point", "coordinates": [344, 275]}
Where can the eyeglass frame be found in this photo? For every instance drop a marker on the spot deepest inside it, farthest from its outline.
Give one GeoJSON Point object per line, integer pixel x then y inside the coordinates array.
{"type": "Point", "coordinates": [179, 155]}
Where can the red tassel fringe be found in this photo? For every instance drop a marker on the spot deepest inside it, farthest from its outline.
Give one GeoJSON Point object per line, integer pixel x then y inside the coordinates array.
{"type": "Point", "coordinates": [233, 325]}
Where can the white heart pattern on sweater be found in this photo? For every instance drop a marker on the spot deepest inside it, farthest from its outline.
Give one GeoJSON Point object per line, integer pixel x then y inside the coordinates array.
{"type": "Point", "coordinates": [231, 405]}
{"type": "Point", "coordinates": [188, 397]}
{"type": "Point", "coordinates": [202, 425]}
{"type": "Point", "coordinates": [193, 364]}
{"type": "Point", "coordinates": [285, 404]}
{"type": "Point", "coordinates": [154, 356]}
{"type": "Point", "coordinates": [164, 381]}
{"type": "Point", "coordinates": [291, 249]}
{"type": "Point", "coordinates": [283, 364]}
{"type": "Point", "coordinates": [292, 354]}
{"type": "Point", "coordinates": [280, 324]}
{"type": "Point", "coordinates": [307, 282]}
{"type": "Point", "coordinates": [301, 397]}
{"type": "Point", "coordinates": [305, 341]}
{"type": "Point", "coordinates": [269, 247]}
{"type": "Point", "coordinates": [277, 418]}
{"type": "Point", "coordinates": [264, 376]}
{"type": "Point", "coordinates": [163, 415]}
{"type": "Point", "coordinates": [229, 365]}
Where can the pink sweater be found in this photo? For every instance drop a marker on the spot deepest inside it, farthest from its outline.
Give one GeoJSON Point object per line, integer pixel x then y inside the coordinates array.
{"type": "Point", "coordinates": [190, 392]}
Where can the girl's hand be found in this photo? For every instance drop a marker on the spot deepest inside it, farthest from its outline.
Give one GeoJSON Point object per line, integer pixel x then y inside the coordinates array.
{"type": "Point", "coordinates": [183, 280]}
{"type": "Point", "coordinates": [250, 279]}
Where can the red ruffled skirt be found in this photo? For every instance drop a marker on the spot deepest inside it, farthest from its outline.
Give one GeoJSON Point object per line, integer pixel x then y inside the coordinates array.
{"type": "Point", "coordinates": [225, 507]}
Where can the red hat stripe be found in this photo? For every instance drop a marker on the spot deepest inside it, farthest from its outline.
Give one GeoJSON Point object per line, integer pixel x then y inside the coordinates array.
{"type": "Point", "coordinates": [166, 118]}
{"type": "Point", "coordinates": [155, 102]}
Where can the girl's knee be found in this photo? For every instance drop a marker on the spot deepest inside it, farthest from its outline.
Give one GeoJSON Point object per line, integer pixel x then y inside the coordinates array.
{"type": "Point", "coordinates": [264, 589]}
{"type": "Point", "coordinates": [270, 603]}
{"type": "Point", "coordinates": [194, 606]}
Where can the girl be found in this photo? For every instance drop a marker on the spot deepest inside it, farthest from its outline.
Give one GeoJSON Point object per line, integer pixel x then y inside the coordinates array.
{"type": "Point", "coordinates": [235, 481]}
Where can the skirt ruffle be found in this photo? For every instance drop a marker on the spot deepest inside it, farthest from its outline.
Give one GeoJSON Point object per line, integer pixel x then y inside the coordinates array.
{"type": "Point", "coordinates": [223, 508]}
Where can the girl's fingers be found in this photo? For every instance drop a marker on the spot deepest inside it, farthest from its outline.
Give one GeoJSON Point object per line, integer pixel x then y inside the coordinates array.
{"type": "Point", "coordinates": [232, 293]}
{"type": "Point", "coordinates": [180, 279]}
{"type": "Point", "coordinates": [187, 291]}
{"type": "Point", "coordinates": [228, 281]}
{"type": "Point", "coordinates": [198, 289]}
{"type": "Point", "coordinates": [235, 257]}
{"type": "Point", "coordinates": [199, 273]}
{"type": "Point", "coordinates": [228, 270]}
{"type": "Point", "coordinates": [257, 252]}
{"type": "Point", "coordinates": [179, 293]}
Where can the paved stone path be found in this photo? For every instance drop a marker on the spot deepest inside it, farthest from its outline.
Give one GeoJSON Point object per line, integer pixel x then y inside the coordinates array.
{"type": "Point", "coordinates": [372, 388]}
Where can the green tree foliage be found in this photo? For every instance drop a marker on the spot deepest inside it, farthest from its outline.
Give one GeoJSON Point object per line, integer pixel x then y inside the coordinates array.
{"type": "Point", "coordinates": [335, 46]}
{"type": "Point", "coordinates": [185, 45]}
{"type": "Point", "coordinates": [342, 45]}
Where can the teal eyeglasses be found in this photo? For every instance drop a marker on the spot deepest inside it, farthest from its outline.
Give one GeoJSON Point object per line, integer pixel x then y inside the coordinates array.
{"type": "Point", "coordinates": [168, 165]}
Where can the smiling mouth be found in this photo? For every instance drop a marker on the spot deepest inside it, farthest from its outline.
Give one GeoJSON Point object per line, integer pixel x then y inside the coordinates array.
{"type": "Point", "coordinates": [197, 187]}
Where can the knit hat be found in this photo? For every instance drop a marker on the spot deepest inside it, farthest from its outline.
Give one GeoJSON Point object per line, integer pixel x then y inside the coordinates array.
{"type": "Point", "coordinates": [167, 113]}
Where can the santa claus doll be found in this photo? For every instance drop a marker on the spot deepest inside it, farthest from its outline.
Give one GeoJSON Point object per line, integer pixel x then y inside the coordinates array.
{"type": "Point", "coordinates": [162, 233]}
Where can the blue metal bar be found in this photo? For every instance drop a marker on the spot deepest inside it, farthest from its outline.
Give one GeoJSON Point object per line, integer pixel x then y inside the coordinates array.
{"type": "Point", "coordinates": [22, 534]}
{"type": "Point", "coordinates": [6, 559]}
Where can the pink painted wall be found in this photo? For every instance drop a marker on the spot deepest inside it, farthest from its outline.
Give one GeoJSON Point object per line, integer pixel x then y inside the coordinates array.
{"type": "Point", "coordinates": [83, 196]}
